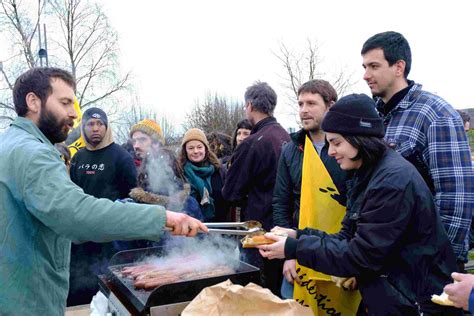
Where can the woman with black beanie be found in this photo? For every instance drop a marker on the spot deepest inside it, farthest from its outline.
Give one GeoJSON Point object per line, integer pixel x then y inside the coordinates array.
{"type": "Point", "coordinates": [391, 240]}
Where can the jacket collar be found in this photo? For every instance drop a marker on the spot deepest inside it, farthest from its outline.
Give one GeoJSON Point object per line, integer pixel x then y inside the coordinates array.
{"type": "Point", "coordinates": [106, 141]}
{"type": "Point", "coordinates": [261, 124]}
{"type": "Point", "coordinates": [407, 100]}
{"type": "Point", "coordinates": [31, 128]}
{"type": "Point", "coordinates": [299, 138]}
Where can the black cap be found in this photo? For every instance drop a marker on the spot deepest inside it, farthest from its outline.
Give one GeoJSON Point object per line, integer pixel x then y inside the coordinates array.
{"type": "Point", "coordinates": [354, 115]}
{"type": "Point", "coordinates": [95, 113]}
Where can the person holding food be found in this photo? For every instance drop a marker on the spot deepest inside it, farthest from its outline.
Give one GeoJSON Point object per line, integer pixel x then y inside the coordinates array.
{"type": "Point", "coordinates": [392, 240]}
{"type": "Point", "coordinates": [460, 293]}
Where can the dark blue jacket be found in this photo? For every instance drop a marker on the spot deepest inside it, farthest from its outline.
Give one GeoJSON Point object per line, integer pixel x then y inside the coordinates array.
{"type": "Point", "coordinates": [286, 196]}
{"type": "Point", "coordinates": [252, 173]}
{"type": "Point", "coordinates": [392, 241]}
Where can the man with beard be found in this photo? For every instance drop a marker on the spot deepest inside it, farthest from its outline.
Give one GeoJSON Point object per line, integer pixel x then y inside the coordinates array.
{"type": "Point", "coordinates": [105, 170]}
{"type": "Point", "coordinates": [102, 169]}
{"type": "Point", "coordinates": [147, 137]}
{"type": "Point", "coordinates": [315, 97]}
{"type": "Point", "coordinates": [42, 210]}
{"type": "Point", "coordinates": [425, 130]}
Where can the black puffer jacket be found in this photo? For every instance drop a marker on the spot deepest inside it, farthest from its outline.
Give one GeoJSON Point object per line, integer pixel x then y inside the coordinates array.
{"type": "Point", "coordinates": [392, 241]}
{"type": "Point", "coordinates": [287, 192]}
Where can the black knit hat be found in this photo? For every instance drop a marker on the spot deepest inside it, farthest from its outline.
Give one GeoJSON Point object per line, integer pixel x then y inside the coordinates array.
{"type": "Point", "coordinates": [354, 115]}
{"type": "Point", "coordinates": [95, 113]}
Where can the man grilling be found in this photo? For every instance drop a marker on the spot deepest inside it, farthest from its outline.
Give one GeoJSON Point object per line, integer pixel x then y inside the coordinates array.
{"type": "Point", "coordinates": [42, 210]}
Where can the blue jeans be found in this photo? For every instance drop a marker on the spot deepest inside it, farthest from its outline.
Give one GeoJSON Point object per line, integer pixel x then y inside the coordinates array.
{"type": "Point", "coordinates": [286, 289]}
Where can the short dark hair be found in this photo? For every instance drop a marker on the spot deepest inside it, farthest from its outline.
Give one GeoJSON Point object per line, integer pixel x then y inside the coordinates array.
{"type": "Point", "coordinates": [262, 97]}
{"type": "Point", "coordinates": [219, 143]}
{"type": "Point", "coordinates": [241, 124]}
{"type": "Point", "coordinates": [464, 116]}
{"type": "Point", "coordinates": [370, 148]}
{"type": "Point", "coordinates": [321, 87]}
{"type": "Point", "coordinates": [395, 47]}
{"type": "Point", "coordinates": [38, 81]}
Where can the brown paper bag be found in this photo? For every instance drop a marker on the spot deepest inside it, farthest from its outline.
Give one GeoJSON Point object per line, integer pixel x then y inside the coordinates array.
{"type": "Point", "coordinates": [227, 298]}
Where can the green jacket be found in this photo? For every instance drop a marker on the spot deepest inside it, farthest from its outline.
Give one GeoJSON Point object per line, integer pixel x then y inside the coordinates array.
{"type": "Point", "coordinates": [41, 211]}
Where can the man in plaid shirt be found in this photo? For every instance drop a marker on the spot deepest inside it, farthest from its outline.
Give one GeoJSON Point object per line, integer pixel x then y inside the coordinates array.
{"type": "Point", "coordinates": [424, 129]}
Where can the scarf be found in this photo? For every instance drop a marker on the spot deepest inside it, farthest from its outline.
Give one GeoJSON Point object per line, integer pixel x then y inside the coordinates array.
{"type": "Point", "coordinates": [200, 180]}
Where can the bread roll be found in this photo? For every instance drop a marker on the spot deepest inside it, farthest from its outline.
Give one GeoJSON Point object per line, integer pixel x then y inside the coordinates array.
{"type": "Point", "coordinates": [252, 241]}
{"type": "Point", "coordinates": [441, 299]}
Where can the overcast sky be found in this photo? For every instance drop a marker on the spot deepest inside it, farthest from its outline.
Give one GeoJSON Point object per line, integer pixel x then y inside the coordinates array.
{"type": "Point", "coordinates": [178, 50]}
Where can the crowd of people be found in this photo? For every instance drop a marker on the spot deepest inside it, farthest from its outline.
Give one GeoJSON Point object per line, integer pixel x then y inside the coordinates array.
{"type": "Point", "coordinates": [399, 159]}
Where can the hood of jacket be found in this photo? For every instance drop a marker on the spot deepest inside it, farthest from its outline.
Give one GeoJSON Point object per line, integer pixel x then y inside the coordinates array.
{"type": "Point", "coordinates": [106, 141]}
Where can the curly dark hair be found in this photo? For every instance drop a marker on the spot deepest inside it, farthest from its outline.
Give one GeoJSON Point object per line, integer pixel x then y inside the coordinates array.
{"type": "Point", "coordinates": [220, 144]}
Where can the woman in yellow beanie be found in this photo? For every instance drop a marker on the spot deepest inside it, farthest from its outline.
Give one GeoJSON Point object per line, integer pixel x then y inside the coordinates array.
{"type": "Point", "coordinates": [205, 174]}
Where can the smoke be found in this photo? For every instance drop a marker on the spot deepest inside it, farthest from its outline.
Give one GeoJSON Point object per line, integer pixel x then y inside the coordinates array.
{"type": "Point", "coordinates": [205, 252]}
{"type": "Point", "coordinates": [163, 181]}
{"type": "Point", "coordinates": [161, 176]}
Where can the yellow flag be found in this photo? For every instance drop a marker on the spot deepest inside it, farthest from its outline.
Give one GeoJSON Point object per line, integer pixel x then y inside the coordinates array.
{"type": "Point", "coordinates": [319, 210]}
{"type": "Point", "coordinates": [79, 142]}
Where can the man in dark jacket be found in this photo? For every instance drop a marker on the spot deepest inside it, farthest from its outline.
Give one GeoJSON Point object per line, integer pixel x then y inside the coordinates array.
{"type": "Point", "coordinates": [314, 99]}
{"type": "Point", "coordinates": [252, 173]}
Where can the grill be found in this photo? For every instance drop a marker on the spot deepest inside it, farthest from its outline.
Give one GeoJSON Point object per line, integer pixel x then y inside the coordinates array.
{"type": "Point", "coordinates": [125, 299]}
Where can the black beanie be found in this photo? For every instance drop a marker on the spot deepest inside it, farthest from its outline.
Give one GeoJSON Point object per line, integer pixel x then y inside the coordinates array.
{"type": "Point", "coordinates": [95, 113]}
{"type": "Point", "coordinates": [354, 115]}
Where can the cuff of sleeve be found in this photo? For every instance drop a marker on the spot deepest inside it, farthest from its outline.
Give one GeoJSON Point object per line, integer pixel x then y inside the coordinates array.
{"type": "Point", "coordinates": [471, 301]}
{"type": "Point", "coordinates": [290, 248]}
{"type": "Point", "coordinates": [299, 232]}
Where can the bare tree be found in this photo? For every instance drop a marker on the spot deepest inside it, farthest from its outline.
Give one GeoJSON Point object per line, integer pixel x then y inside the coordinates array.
{"type": "Point", "coordinates": [21, 25]}
{"type": "Point", "coordinates": [300, 67]}
{"type": "Point", "coordinates": [215, 114]}
{"type": "Point", "coordinates": [79, 38]}
{"type": "Point", "coordinates": [124, 121]}
{"type": "Point", "coordinates": [89, 45]}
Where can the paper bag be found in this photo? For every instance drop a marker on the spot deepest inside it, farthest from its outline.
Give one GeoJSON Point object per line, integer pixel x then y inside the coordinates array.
{"type": "Point", "coordinates": [227, 298]}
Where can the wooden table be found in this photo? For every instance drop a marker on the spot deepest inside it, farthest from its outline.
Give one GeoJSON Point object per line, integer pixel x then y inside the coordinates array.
{"type": "Point", "coordinates": [79, 310]}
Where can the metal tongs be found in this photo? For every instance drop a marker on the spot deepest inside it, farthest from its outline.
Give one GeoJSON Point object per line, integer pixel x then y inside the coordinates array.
{"type": "Point", "coordinates": [241, 228]}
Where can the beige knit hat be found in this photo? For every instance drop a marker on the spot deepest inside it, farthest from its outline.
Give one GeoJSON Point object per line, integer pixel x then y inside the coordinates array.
{"type": "Point", "coordinates": [195, 134]}
{"type": "Point", "coordinates": [149, 127]}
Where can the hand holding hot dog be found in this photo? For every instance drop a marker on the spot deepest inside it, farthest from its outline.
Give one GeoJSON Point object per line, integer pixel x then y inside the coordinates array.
{"type": "Point", "coordinates": [275, 250]}
{"type": "Point", "coordinates": [183, 224]}
{"type": "Point", "coordinates": [281, 230]}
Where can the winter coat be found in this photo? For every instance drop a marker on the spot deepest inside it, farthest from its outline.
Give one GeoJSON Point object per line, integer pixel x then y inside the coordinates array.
{"type": "Point", "coordinates": [252, 173]}
{"type": "Point", "coordinates": [392, 241]}
{"type": "Point", "coordinates": [41, 211]}
{"type": "Point", "coordinates": [287, 192]}
{"type": "Point", "coordinates": [221, 206]}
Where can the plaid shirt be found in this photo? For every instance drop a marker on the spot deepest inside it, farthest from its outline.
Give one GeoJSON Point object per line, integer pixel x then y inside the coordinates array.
{"type": "Point", "coordinates": [428, 132]}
